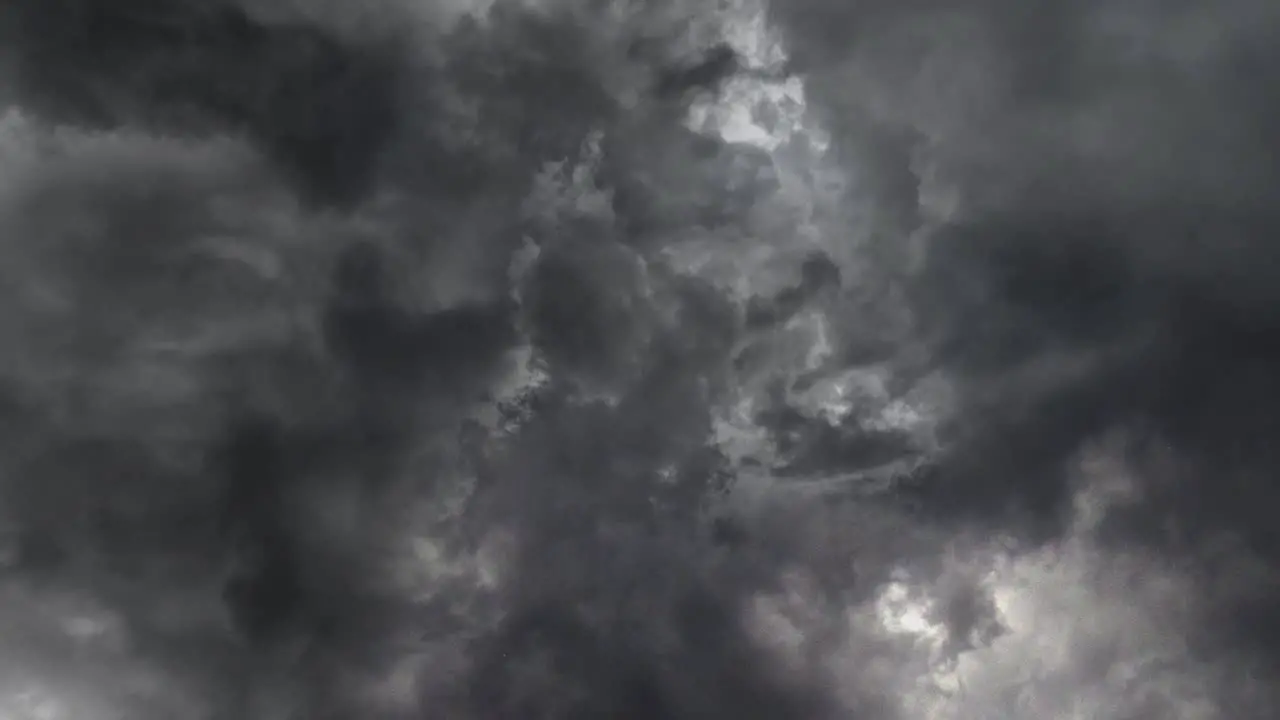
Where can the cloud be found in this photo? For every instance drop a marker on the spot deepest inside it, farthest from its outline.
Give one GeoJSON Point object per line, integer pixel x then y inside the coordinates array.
{"type": "Point", "coordinates": [908, 360]}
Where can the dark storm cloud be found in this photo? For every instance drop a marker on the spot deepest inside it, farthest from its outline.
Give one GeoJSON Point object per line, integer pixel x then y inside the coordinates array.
{"type": "Point", "coordinates": [240, 364]}
{"type": "Point", "coordinates": [1111, 259]}
{"type": "Point", "coordinates": [1108, 257]}
{"type": "Point", "coordinates": [180, 458]}
{"type": "Point", "coordinates": [319, 105]}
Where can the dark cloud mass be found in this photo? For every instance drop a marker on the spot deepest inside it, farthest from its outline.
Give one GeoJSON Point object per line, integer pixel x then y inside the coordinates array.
{"type": "Point", "coordinates": [901, 360]}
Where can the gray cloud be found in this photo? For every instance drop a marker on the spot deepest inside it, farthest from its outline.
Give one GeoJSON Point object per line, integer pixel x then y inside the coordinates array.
{"type": "Point", "coordinates": [408, 363]}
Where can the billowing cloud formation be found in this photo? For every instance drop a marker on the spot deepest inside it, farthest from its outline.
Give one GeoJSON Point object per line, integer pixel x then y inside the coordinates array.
{"type": "Point", "coordinates": [1093, 194]}
{"type": "Point", "coordinates": [659, 360]}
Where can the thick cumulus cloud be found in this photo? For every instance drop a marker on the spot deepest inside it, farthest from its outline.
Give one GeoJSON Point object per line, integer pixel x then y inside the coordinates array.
{"type": "Point", "coordinates": [1092, 203]}
{"type": "Point", "coordinates": [1092, 220]}
{"type": "Point", "coordinates": [577, 359]}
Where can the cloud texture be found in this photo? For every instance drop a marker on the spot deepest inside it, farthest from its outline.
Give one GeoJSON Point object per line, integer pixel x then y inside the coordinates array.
{"type": "Point", "coordinates": [567, 359]}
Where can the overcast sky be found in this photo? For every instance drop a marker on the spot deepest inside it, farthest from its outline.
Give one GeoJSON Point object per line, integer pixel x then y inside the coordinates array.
{"type": "Point", "coordinates": [559, 359]}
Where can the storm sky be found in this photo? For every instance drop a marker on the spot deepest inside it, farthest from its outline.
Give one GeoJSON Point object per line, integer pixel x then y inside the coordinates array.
{"type": "Point", "coordinates": [576, 359]}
